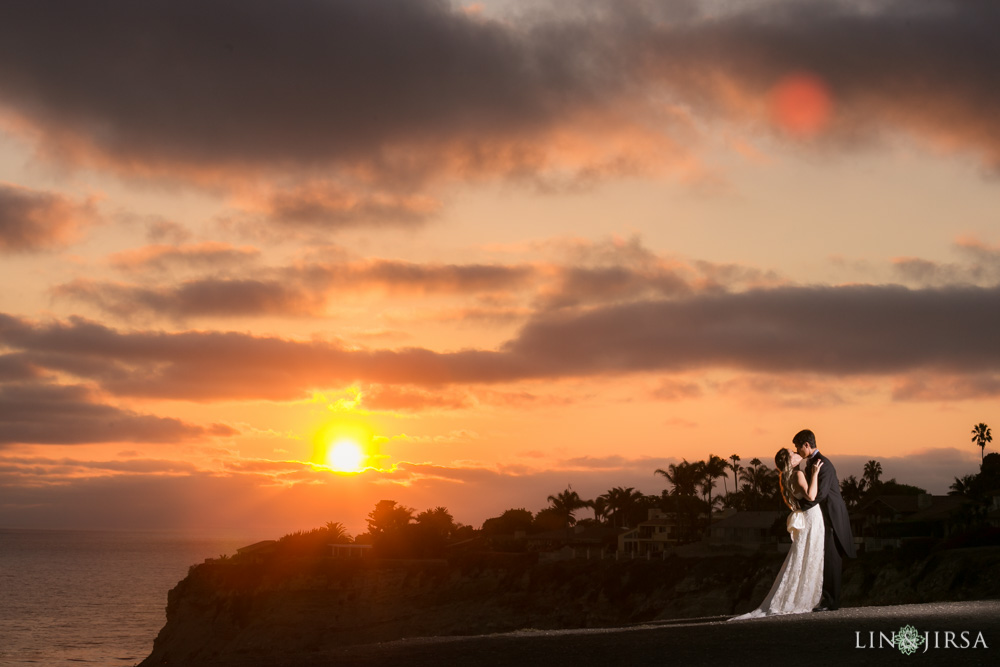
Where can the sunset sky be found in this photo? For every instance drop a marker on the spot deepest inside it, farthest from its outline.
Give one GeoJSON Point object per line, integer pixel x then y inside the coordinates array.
{"type": "Point", "coordinates": [507, 247]}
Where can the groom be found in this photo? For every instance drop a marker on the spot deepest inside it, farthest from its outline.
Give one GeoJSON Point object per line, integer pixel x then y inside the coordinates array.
{"type": "Point", "coordinates": [838, 539]}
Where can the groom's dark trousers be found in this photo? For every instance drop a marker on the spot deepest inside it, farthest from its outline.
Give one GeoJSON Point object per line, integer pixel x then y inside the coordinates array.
{"type": "Point", "coordinates": [833, 565]}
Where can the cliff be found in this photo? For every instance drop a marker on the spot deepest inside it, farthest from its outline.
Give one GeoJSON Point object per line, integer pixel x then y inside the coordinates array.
{"type": "Point", "coordinates": [222, 611]}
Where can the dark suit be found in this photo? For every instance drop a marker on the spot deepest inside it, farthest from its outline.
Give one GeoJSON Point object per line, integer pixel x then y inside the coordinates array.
{"type": "Point", "coordinates": [838, 539]}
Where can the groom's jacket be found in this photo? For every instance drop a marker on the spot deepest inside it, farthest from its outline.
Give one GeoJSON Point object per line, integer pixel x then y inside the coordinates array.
{"type": "Point", "coordinates": [831, 504]}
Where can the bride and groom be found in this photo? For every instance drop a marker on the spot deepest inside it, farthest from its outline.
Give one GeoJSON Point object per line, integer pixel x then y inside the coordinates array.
{"type": "Point", "coordinates": [809, 579]}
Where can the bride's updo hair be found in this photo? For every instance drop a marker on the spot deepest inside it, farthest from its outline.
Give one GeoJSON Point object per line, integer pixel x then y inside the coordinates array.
{"type": "Point", "coordinates": [783, 462]}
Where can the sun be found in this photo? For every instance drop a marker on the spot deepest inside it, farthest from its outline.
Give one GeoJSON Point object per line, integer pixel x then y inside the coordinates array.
{"type": "Point", "coordinates": [346, 456]}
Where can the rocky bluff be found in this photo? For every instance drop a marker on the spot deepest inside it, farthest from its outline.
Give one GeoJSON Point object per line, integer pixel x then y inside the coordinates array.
{"type": "Point", "coordinates": [224, 610]}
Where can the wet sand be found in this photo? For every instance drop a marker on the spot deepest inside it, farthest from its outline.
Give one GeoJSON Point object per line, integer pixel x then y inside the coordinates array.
{"type": "Point", "coordinates": [843, 637]}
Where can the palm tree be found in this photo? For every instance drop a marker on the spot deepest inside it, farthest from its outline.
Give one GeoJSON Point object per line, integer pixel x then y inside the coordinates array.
{"type": "Point", "coordinates": [337, 532]}
{"type": "Point", "coordinates": [735, 467]}
{"type": "Point", "coordinates": [621, 501]}
{"type": "Point", "coordinates": [600, 507]}
{"type": "Point", "coordinates": [963, 486]}
{"type": "Point", "coordinates": [711, 470]}
{"type": "Point", "coordinates": [981, 435]}
{"type": "Point", "coordinates": [611, 507]}
{"type": "Point", "coordinates": [565, 504]}
{"type": "Point", "coordinates": [751, 476]}
{"type": "Point", "coordinates": [758, 483]}
{"type": "Point", "coordinates": [684, 477]}
{"type": "Point", "coordinates": [873, 470]}
{"type": "Point", "coordinates": [852, 490]}
{"type": "Point", "coordinates": [769, 488]}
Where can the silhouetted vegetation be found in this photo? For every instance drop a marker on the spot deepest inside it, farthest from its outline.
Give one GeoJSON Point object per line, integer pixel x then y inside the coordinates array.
{"type": "Point", "coordinates": [395, 531]}
{"type": "Point", "coordinates": [978, 492]}
{"type": "Point", "coordinates": [981, 435]}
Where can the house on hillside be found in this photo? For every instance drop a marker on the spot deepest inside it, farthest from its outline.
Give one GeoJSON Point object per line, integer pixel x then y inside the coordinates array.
{"type": "Point", "coordinates": [651, 537]}
{"type": "Point", "coordinates": [580, 541]}
{"type": "Point", "coordinates": [351, 550]}
{"type": "Point", "coordinates": [890, 521]}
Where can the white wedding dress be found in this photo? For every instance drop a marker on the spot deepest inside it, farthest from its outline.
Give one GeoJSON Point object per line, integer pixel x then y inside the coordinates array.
{"type": "Point", "coordinates": [799, 585]}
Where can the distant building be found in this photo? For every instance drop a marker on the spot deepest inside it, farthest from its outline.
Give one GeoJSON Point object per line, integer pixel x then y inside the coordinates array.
{"type": "Point", "coordinates": [351, 550]}
{"type": "Point", "coordinates": [580, 541]}
{"type": "Point", "coordinates": [651, 537]}
{"type": "Point", "coordinates": [890, 521]}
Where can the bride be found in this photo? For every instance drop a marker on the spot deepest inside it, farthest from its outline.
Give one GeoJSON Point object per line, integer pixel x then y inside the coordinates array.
{"type": "Point", "coordinates": [799, 585]}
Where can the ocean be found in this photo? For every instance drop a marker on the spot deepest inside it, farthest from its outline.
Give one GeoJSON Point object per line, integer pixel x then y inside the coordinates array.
{"type": "Point", "coordinates": [71, 597]}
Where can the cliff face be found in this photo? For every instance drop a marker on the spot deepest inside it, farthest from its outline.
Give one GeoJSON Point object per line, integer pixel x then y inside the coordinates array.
{"type": "Point", "coordinates": [222, 611]}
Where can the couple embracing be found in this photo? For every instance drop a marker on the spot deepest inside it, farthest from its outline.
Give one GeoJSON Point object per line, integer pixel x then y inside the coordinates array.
{"type": "Point", "coordinates": [809, 579]}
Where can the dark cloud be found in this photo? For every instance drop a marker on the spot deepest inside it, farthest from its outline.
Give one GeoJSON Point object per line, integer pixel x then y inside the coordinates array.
{"type": "Point", "coordinates": [209, 297]}
{"type": "Point", "coordinates": [397, 91]}
{"type": "Point", "coordinates": [32, 220]}
{"type": "Point", "coordinates": [14, 367]}
{"type": "Point", "coordinates": [246, 84]}
{"type": "Point", "coordinates": [297, 290]}
{"type": "Point", "coordinates": [68, 415]}
{"type": "Point", "coordinates": [834, 331]}
{"type": "Point", "coordinates": [583, 285]}
{"type": "Point", "coordinates": [828, 330]}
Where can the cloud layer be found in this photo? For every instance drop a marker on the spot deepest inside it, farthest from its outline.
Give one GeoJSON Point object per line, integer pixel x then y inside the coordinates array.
{"type": "Point", "coordinates": [836, 331]}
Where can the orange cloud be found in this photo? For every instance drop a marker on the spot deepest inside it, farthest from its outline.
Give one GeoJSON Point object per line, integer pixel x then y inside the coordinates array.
{"type": "Point", "coordinates": [161, 257]}
{"type": "Point", "coordinates": [33, 220]}
{"type": "Point", "coordinates": [42, 413]}
{"type": "Point", "coordinates": [402, 399]}
{"type": "Point", "coordinates": [329, 205]}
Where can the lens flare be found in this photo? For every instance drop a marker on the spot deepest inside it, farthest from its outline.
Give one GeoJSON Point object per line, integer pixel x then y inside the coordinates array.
{"type": "Point", "coordinates": [801, 104]}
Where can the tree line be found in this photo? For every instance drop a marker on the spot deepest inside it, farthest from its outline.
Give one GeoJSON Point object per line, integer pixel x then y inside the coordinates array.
{"type": "Point", "coordinates": [397, 531]}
